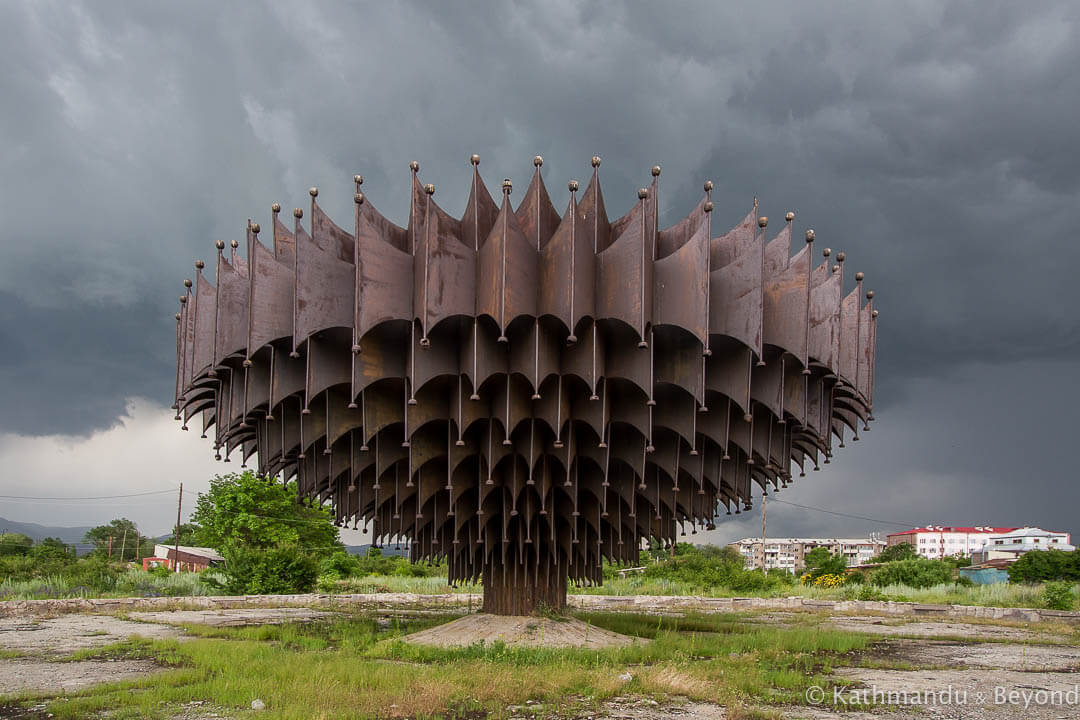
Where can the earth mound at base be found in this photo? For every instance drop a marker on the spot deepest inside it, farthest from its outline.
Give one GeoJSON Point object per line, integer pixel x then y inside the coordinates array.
{"type": "Point", "coordinates": [518, 630]}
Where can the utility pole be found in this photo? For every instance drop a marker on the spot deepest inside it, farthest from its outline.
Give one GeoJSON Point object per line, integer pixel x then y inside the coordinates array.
{"type": "Point", "coordinates": [123, 545]}
{"type": "Point", "coordinates": [138, 547]}
{"type": "Point", "coordinates": [176, 535]}
{"type": "Point", "coordinates": [110, 547]}
{"type": "Point", "coordinates": [763, 555]}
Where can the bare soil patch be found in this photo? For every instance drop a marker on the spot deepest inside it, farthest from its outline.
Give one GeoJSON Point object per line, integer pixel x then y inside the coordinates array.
{"type": "Point", "coordinates": [519, 631]}
{"type": "Point", "coordinates": [1006, 656]}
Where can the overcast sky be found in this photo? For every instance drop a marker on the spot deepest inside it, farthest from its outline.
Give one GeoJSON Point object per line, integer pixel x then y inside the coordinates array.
{"type": "Point", "coordinates": [936, 144]}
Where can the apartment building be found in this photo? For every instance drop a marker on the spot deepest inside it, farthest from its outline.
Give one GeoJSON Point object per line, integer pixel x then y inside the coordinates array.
{"type": "Point", "coordinates": [790, 553]}
{"type": "Point", "coordinates": [937, 541]}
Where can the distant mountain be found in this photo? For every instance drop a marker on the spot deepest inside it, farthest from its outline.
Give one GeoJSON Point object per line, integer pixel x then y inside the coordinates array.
{"type": "Point", "coordinates": [388, 550]}
{"type": "Point", "coordinates": [40, 532]}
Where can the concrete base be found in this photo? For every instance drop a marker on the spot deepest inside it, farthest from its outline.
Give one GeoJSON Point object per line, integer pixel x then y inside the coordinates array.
{"type": "Point", "coordinates": [518, 630]}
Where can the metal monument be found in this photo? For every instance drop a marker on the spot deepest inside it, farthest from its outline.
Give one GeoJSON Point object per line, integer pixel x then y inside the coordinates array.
{"type": "Point", "coordinates": [524, 393]}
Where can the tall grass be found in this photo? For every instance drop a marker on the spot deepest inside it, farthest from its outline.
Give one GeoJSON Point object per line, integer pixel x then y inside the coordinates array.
{"type": "Point", "coordinates": [129, 583]}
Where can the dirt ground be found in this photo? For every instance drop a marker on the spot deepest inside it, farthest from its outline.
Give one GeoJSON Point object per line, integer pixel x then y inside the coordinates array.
{"type": "Point", "coordinates": [921, 668]}
{"type": "Point", "coordinates": [514, 630]}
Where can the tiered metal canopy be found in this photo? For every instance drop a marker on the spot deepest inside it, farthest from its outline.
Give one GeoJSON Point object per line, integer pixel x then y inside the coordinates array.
{"type": "Point", "coordinates": [524, 393]}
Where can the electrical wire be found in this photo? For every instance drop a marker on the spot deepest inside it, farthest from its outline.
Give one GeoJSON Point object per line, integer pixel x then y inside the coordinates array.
{"type": "Point", "coordinates": [847, 515]}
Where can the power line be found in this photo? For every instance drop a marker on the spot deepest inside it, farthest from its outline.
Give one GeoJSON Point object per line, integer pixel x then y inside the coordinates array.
{"type": "Point", "coordinates": [847, 515]}
{"type": "Point", "coordinates": [87, 497]}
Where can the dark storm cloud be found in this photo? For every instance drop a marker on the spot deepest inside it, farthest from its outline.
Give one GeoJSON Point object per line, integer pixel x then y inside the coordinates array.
{"type": "Point", "coordinates": [934, 144]}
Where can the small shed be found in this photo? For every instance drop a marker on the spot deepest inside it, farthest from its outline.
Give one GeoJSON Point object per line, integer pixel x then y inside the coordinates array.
{"type": "Point", "coordinates": [988, 573]}
{"type": "Point", "coordinates": [192, 559]}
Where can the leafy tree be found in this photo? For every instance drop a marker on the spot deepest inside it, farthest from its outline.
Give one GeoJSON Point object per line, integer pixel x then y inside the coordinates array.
{"type": "Point", "coordinates": [723, 554]}
{"type": "Point", "coordinates": [52, 549]}
{"type": "Point", "coordinates": [248, 511]}
{"type": "Point", "coordinates": [189, 533]}
{"type": "Point", "coordinates": [13, 543]}
{"type": "Point", "coordinates": [1044, 565]}
{"type": "Point", "coordinates": [899, 551]}
{"type": "Point", "coordinates": [127, 542]}
{"type": "Point", "coordinates": [820, 561]}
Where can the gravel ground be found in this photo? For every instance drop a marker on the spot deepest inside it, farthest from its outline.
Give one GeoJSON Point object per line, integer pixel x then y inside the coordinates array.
{"type": "Point", "coordinates": [51, 677]}
{"type": "Point", "coordinates": [66, 634]}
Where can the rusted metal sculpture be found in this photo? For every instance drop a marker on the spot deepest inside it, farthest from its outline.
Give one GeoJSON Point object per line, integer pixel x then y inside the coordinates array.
{"type": "Point", "coordinates": [520, 393]}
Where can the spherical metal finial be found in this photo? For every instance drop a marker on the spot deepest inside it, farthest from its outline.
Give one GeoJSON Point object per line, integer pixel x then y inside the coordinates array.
{"type": "Point", "coordinates": [234, 244]}
{"type": "Point", "coordinates": [809, 236]}
{"type": "Point", "coordinates": [655, 170]}
{"type": "Point", "coordinates": [869, 294]}
{"type": "Point", "coordinates": [429, 189]}
{"type": "Point", "coordinates": [297, 213]}
{"type": "Point", "coordinates": [836, 268]}
{"type": "Point", "coordinates": [255, 228]}
{"type": "Point", "coordinates": [790, 216]}
{"type": "Point", "coordinates": [358, 198]}
{"type": "Point", "coordinates": [187, 282]}
{"type": "Point", "coordinates": [475, 159]}
{"type": "Point", "coordinates": [199, 264]}
{"type": "Point", "coordinates": [275, 208]}
{"type": "Point", "coordinates": [414, 166]}
{"type": "Point", "coordinates": [220, 244]}
{"type": "Point", "coordinates": [709, 206]}
{"type": "Point", "coordinates": [573, 185]}
{"type": "Point", "coordinates": [873, 314]}
{"type": "Point", "coordinates": [507, 185]}
{"type": "Point", "coordinates": [178, 315]}
{"type": "Point", "coordinates": [642, 193]}
{"type": "Point", "coordinates": [596, 161]}
{"type": "Point", "coordinates": [538, 161]}
{"type": "Point", "coordinates": [840, 256]}
{"type": "Point", "coordinates": [826, 252]}
{"type": "Point", "coordinates": [763, 222]}
{"type": "Point", "coordinates": [859, 276]}
{"type": "Point", "coordinates": [358, 179]}
{"type": "Point", "coordinates": [313, 191]}
{"type": "Point", "coordinates": [708, 186]}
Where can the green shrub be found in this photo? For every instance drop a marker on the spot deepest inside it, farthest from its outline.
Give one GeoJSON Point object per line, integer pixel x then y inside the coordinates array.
{"type": "Point", "coordinates": [1046, 565]}
{"type": "Point", "coordinates": [868, 592]}
{"type": "Point", "coordinates": [894, 553]}
{"type": "Point", "coordinates": [711, 567]}
{"type": "Point", "coordinates": [1058, 596]}
{"type": "Point", "coordinates": [272, 571]}
{"type": "Point", "coordinates": [915, 572]}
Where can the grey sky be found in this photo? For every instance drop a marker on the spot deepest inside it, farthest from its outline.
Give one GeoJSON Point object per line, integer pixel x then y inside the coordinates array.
{"type": "Point", "coordinates": [935, 144]}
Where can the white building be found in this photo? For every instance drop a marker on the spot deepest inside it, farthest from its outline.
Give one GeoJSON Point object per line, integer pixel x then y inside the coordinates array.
{"type": "Point", "coordinates": [790, 553]}
{"type": "Point", "coordinates": [1012, 545]}
{"type": "Point", "coordinates": [937, 542]}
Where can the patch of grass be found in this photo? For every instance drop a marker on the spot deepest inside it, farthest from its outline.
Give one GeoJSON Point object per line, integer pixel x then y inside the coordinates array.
{"type": "Point", "coordinates": [358, 667]}
{"type": "Point", "coordinates": [133, 648]}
